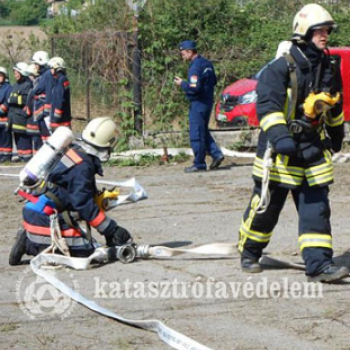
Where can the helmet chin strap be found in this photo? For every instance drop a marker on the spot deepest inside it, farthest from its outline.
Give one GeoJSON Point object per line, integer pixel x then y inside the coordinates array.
{"type": "Point", "coordinates": [102, 154]}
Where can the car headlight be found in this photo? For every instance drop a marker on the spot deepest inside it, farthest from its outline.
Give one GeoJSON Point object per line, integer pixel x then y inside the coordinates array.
{"type": "Point", "coordinates": [249, 97]}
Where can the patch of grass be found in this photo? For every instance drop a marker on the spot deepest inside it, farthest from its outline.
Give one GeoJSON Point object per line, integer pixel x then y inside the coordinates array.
{"type": "Point", "coordinates": [149, 159]}
{"type": "Point", "coordinates": [8, 327]}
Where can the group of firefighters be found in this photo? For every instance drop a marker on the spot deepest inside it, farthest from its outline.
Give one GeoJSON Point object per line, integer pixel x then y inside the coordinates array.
{"type": "Point", "coordinates": [299, 107]}
{"type": "Point", "coordinates": [34, 106]}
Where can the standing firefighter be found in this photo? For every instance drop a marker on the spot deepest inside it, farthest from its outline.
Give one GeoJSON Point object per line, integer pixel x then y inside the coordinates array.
{"type": "Point", "coordinates": [17, 112]}
{"type": "Point", "coordinates": [32, 124]}
{"type": "Point", "coordinates": [300, 114]}
{"type": "Point", "coordinates": [42, 93]}
{"type": "Point", "coordinates": [5, 134]}
{"type": "Point", "coordinates": [60, 97]}
{"type": "Point", "coordinates": [199, 90]}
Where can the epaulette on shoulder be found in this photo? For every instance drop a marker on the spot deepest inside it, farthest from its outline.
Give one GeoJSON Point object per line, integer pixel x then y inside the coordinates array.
{"type": "Point", "coordinates": [71, 158]}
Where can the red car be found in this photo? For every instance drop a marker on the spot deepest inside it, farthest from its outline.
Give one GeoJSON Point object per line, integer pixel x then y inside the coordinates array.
{"type": "Point", "coordinates": [237, 105]}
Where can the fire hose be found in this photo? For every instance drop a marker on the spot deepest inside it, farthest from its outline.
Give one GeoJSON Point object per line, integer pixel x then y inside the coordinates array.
{"type": "Point", "coordinates": [127, 254]}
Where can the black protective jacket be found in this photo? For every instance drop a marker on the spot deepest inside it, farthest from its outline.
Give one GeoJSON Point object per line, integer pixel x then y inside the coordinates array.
{"type": "Point", "coordinates": [314, 73]}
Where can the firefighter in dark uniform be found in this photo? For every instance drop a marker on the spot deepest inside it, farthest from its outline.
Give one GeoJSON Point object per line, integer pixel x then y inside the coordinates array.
{"type": "Point", "coordinates": [32, 124]}
{"type": "Point", "coordinates": [5, 134]}
{"type": "Point", "coordinates": [300, 114]}
{"type": "Point", "coordinates": [60, 114]}
{"type": "Point", "coordinates": [17, 112]}
{"type": "Point", "coordinates": [71, 190]}
{"type": "Point", "coordinates": [42, 94]}
{"type": "Point", "coordinates": [199, 90]}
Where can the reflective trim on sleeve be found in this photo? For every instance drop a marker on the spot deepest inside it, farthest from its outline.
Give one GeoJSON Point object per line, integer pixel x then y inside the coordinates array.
{"type": "Point", "coordinates": [272, 119]}
{"type": "Point", "coordinates": [3, 109]}
{"type": "Point", "coordinates": [332, 122]}
{"type": "Point", "coordinates": [315, 240]}
{"type": "Point", "coordinates": [98, 219]}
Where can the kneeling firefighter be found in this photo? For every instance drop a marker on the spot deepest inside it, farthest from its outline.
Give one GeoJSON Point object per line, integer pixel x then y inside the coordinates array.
{"type": "Point", "coordinates": [300, 113]}
{"type": "Point", "coordinates": [70, 190]}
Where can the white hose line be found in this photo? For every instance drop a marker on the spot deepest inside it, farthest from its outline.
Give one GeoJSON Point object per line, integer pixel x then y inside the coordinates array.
{"type": "Point", "coordinates": [174, 152]}
{"type": "Point", "coordinates": [268, 261]}
{"type": "Point", "coordinates": [168, 335]}
{"type": "Point", "coordinates": [225, 249]}
{"type": "Point", "coordinates": [136, 154]}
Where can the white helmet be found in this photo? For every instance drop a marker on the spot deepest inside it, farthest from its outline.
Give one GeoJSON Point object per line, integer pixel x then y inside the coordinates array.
{"type": "Point", "coordinates": [21, 68]}
{"type": "Point", "coordinates": [3, 71]}
{"type": "Point", "coordinates": [57, 63]}
{"type": "Point", "coordinates": [310, 17]}
{"type": "Point", "coordinates": [41, 58]}
{"type": "Point", "coordinates": [101, 132]}
{"type": "Point", "coordinates": [32, 70]}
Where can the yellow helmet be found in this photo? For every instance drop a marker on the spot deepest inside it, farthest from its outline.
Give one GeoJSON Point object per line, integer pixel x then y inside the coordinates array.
{"type": "Point", "coordinates": [100, 132]}
{"type": "Point", "coordinates": [310, 17]}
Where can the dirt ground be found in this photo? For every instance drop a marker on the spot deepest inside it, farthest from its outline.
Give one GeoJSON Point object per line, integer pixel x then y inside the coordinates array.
{"type": "Point", "coordinates": [188, 208]}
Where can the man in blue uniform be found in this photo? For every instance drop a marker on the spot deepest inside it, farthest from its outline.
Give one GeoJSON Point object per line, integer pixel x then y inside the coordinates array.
{"type": "Point", "coordinates": [71, 191]}
{"type": "Point", "coordinates": [42, 94]}
{"type": "Point", "coordinates": [5, 134]}
{"type": "Point", "coordinates": [199, 90]}
{"type": "Point", "coordinates": [60, 114]}
{"type": "Point", "coordinates": [300, 112]}
{"type": "Point", "coordinates": [17, 116]}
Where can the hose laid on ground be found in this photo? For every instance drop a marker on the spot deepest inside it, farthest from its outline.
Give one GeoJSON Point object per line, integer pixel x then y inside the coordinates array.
{"type": "Point", "coordinates": [136, 154]}
{"type": "Point", "coordinates": [168, 335]}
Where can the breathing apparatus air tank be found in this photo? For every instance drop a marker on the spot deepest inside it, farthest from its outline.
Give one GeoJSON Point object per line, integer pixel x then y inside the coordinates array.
{"type": "Point", "coordinates": [39, 166]}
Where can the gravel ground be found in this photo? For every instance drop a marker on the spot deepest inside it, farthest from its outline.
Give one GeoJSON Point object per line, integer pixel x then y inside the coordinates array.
{"type": "Point", "coordinates": [264, 311]}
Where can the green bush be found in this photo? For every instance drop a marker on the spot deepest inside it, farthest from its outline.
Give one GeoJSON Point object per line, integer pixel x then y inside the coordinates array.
{"type": "Point", "coordinates": [27, 12]}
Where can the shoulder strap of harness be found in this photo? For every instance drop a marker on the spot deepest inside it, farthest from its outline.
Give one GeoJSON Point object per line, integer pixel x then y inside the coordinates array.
{"type": "Point", "coordinates": [294, 83]}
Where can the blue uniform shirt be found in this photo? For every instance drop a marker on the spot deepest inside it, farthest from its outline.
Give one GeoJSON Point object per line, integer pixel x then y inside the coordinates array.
{"type": "Point", "coordinates": [201, 81]}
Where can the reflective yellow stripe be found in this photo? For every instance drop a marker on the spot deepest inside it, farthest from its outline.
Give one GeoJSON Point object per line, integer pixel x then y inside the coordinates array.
{"type": "Point", "coordinates": [321, 180]}
{"type": "Point", "coordinates": [281, 167]}
{"type": "Point", "coordinates": [290, 175]}
{"type": "Point", "coordinates": [307, 240]}
{"type": "Point", "coordinates": [246, 225]}
{"type": "Point", "coordinates": [20, 100]}
{"type": "Point", "coordinates": [18, 127]}
{"type": "Point", "coordinates": [339, 120]}
{"type": "Point", "coordinates": [255, 235]}
{"type": "Point", "coordinates": [321, 174]}
{"type": "Point", "coordinates": [271, 120]}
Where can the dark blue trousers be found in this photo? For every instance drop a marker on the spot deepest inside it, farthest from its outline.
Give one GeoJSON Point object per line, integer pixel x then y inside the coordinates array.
{"type": "Point", "coordinates": [201, 140]}
{"type": "Point", "coordinates": [314, 213]}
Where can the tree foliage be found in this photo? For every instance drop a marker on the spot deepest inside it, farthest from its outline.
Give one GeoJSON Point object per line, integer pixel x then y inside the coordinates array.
{"type": "Point", "coordinates": [27, 12]}
{"type": "Point", "coordinates": [238, 36]}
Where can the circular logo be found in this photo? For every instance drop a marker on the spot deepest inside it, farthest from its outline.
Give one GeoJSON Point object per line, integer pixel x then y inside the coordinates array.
{"type": "Point", "coordinates": [37, 298]}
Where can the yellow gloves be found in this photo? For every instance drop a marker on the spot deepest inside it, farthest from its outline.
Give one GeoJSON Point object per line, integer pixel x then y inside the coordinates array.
{"type": "Point", "coordinates": [103, 197]}
{"type": "Point", "coordinates": [316, 104]}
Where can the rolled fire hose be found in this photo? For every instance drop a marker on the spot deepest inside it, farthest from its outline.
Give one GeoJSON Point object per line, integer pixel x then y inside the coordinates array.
{"type": "Point", "coordinates": [168, 335]}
